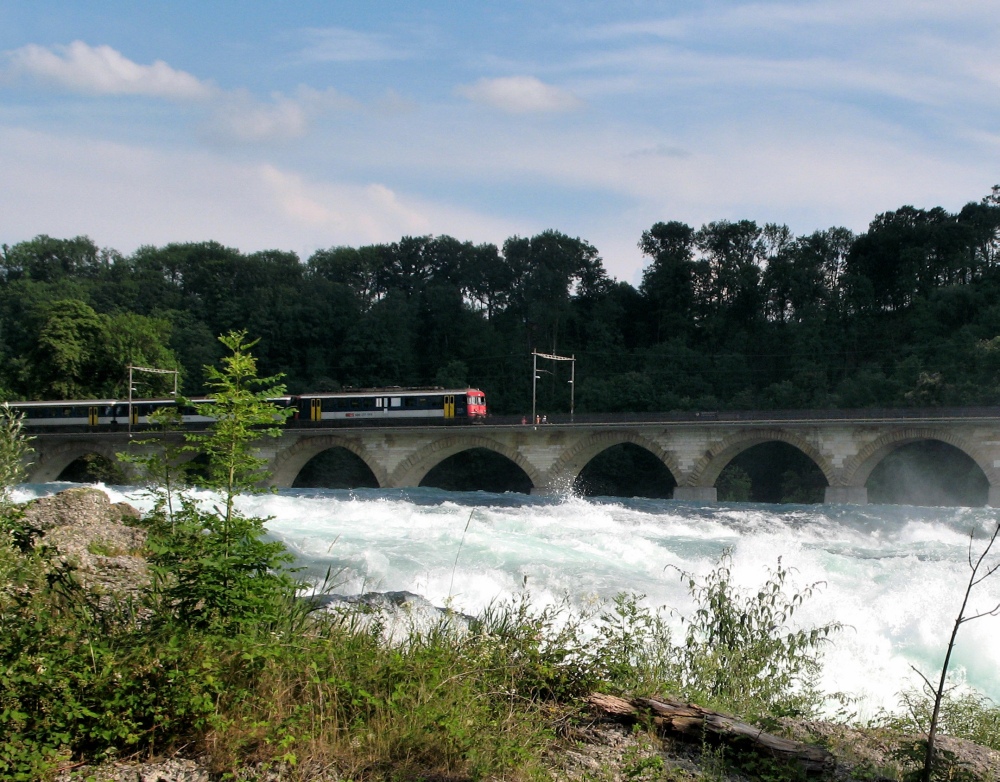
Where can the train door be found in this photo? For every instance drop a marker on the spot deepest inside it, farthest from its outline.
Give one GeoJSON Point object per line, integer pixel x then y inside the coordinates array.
{"type": "Point", "coordinates": [93, 413]}
{"type": "Point", "coordinates": [315, 409]}
{"type": "Point", "coordinates": [449, 406]}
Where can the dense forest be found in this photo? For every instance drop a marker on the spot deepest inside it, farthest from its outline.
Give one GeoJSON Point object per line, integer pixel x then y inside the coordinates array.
{"type": "Point", "coordinates": [728, 315]}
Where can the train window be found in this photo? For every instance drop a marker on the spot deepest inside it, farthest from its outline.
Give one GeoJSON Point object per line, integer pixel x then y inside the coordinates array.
{"type": "Point", "coordinates": [396, 401]}
{"type": "Point", "coordinates": [378, 401]}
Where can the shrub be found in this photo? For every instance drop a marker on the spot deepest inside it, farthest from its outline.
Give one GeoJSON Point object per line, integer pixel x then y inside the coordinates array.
{"type": "Point", "coordinates": [634, 650]}
{"type": "Point", "coordinates": [739, 651]}
{"type": "Point", "coordinates": [966, 715]}
{"type": "Point", "coordinates": [210, 562]}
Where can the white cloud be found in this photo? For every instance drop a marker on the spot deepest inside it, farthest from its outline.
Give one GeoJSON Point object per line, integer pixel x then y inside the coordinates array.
{"type": "Point", "coordinates": [918, 51]}
{"type": "Point", "coordinates": [125, 196]}
{"type": "Point", "coordinates": [340, 44]}
{"type": "Point", "coordinates": [796, 16]}
{"type": "Point", "coordinates": [519, 95]}
{"type": "Point", "coordinates": [241, 117]}
{"type": "Point", "coordinates": [234, 115]}
{"type": "Point", "coordinates": [101, 70]}
{"type": "Point", "coordinates": [330, 99]}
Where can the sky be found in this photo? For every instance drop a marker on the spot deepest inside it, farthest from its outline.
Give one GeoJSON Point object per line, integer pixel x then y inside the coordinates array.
{"type": "Point", "coordinates": [321, 123]}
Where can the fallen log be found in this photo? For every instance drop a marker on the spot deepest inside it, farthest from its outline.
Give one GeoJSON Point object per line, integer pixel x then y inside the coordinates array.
{"type": "Point", "coordinates": [690, 720]}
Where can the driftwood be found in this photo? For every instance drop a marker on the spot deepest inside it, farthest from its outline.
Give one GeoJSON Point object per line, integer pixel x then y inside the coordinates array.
{"type": "Point", "coordinates": [698, 723]}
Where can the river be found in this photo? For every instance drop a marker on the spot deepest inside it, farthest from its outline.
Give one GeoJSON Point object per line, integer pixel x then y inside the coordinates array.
{"type": "Point", "coordinates": [893, 575]}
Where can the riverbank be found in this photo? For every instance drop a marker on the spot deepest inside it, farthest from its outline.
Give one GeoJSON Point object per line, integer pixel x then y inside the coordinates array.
{"type": "Point", "coordinates": [600, 750]}
{"type": "Point", "coordinates": [95, 672]}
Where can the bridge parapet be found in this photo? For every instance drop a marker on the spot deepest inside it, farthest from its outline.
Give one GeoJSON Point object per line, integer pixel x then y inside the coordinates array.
{"type": "Point", "coordinates": [695, 450]}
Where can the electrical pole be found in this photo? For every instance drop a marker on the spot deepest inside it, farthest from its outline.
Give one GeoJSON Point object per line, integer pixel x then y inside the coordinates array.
{"type": "Point", "coordinates": [131, 388]}
{"type": "Point", "coordinates": [535, 355]}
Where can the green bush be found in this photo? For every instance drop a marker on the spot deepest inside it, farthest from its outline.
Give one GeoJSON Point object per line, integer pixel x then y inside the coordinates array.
{"type": "Point", "coordinates": [634, 651]}
{"type": "Point", "coordinates": [211, 562]}
{"type": "Point", "coordinates": [965, 715]}
{"type": "Point", "coordinates": [739, 651]}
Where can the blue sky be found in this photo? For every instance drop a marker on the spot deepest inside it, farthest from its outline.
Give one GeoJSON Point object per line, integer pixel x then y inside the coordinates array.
{"type": "Point", "coordinates": [315, 124]}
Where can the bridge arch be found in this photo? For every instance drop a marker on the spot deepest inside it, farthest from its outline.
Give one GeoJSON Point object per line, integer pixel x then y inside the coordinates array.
{"type": "Point", "coordinates": [289, 461]}
{"type": "Point", "coordinates": [412, 470]}
{"type": "Point", "coordinates": [571, 463]}
{"type": "Point", "coordinates": [708, 469]}
{"type": "Point", "coordinates": [858, 469]}
{"type": "Point", "coordinates": [51, 460]}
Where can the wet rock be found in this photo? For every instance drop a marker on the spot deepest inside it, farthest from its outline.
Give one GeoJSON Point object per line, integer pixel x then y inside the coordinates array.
{"type": "Point", "coordinates": [398, 615]}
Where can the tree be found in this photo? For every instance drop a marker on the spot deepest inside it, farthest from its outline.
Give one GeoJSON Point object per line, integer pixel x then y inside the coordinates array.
{"type": "Point", "coordinates": [80, 354]}
{"type": "Point", "coordinates": [44, 259]}
{"type": "Point", "coordinates": [66, 357]}
{"type": "Point", "coordinates": [548, 271]}
{"type": "Point", "coordinates": [668, 282]}
{"type": "Point", "coordinates": [980, 570]}
{"type": "Point", "coordinates": [355, 268]}
{"type": "Point", "coordinates": [730, 283]}
{"type": "Point", "coordinates": [212, 564]}
{"type": "Point", "coordinates": [139, 341]}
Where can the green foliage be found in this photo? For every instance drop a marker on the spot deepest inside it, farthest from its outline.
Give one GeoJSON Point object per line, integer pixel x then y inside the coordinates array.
{"type": "Point", "coordinates": [734, 484]}
{"type": "Point", "coordinates": [453, 375]}
{"type": "Point", "coordinates": [633, 650]}
{"type": "Point", "coordinates": [212, 569]}
{"type": "Point", "coordinates": [762, 768]}
{"type": "Point", "coordinates": [79, 353]}
{"type": "Point", "coordinates": [66, 357]}
{"type": "Point", "coordinates": [15, 446]}
{"type": "Point", "coordinates": [211, 562]}
{"type": "Point", "coordinates": [943, 767]}
{"type": "Point", "coordinates": [547, 647]}
{"type": "Point", "coordinates": [739, 650]}
{"type": "Point", "coordinates": [729, 315]}
{"type": "Point", "coordinates": [242, 413]}
{"type": "Point", "coordinates": [738, 653]}
{"type": "Point", "coordinates": [964, 715]}
{"type": "Point", "coordinates": [140, 341]}
{"type": "Point", "coordinates": [434, 705]}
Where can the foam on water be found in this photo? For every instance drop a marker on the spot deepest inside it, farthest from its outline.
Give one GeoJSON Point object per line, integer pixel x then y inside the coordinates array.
{"type": "Point", "coordinates": [893, 575]}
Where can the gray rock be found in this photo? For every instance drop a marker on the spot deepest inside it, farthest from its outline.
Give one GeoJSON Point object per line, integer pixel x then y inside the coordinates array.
{"type": "Point", "coordinates": [397, 615]}
{"type": "Point", "coordinates": [167, 770]}
{"type": "Point", "coordinates": [97, 539]}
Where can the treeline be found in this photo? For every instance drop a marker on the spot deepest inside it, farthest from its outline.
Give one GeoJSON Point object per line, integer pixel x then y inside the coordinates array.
{"type": "Point", "coordinates": [729, 315]}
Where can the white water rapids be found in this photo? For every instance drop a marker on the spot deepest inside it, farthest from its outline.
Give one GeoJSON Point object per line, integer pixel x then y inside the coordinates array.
{"type": "Point", "coordinates": [893, 575]}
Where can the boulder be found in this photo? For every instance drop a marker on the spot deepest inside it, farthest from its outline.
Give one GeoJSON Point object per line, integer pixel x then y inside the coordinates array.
{"type": "Point", "coordinates": [97, 538]}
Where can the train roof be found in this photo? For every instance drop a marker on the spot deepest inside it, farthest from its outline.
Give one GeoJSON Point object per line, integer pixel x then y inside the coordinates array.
{"type": "Point", "coordinates": [389, 391]}
{"type": "Point", "coordinates": [135, 401]}
{"type": "Point", "coordinates": [65, 403]}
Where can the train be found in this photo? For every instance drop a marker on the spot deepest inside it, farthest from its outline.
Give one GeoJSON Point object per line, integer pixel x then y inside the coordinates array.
{"type": "Point", "coordinates": [341, 408]}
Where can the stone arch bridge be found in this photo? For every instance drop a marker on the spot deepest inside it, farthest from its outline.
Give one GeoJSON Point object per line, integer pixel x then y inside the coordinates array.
{"type": "Point", "coordinates": [845, 445]}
